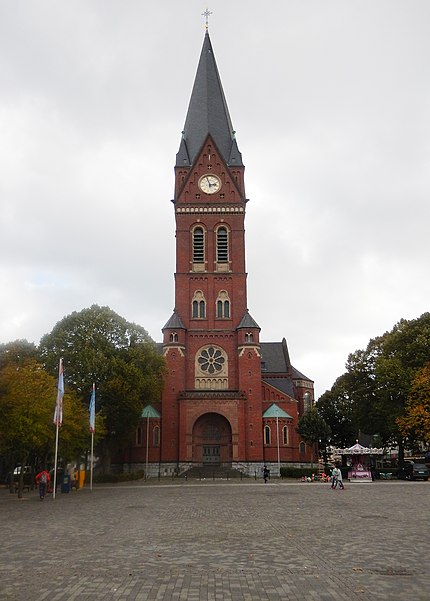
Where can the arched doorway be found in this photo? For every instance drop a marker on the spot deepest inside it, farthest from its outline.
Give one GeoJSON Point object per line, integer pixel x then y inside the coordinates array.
{"type": "Point", "coordinates": [212, 440]}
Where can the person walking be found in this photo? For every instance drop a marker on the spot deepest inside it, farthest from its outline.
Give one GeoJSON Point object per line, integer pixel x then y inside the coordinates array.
{"type": "Point", "coordinates": [42, 480]}
{"type": "Point", "coordinates": [266, 473]}
{"type": "Point", "coordinates": [336, 478]}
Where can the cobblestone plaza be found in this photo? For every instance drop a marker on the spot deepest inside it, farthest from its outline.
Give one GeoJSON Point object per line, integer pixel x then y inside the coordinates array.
{"type": "Point", "coordinates": [222, 540]}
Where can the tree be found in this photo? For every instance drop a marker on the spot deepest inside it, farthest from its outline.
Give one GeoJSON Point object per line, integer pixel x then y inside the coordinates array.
{"type": "Point", "coordinates": [337, 409]}
{"type": "Point", "coordinates": [378, 379]}
{"type": "Point", "coordinates": [313, 429]}
{"type": "Point", "coordinates": [17, 352]}
{"type": "Point", "coordinates": [415, 423]}
{"type": "Point", "coordinates": [27, 401]}
{"type": "Point", "coordinates": [97, 345]}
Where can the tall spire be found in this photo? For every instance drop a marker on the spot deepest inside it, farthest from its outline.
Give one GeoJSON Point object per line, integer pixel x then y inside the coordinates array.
{"type": "Point", "coordinates": [208, 114]}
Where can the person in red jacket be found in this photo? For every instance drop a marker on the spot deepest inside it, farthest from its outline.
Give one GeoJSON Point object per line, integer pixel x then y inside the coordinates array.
{"type": "Point", "coordinates": [42, 480]}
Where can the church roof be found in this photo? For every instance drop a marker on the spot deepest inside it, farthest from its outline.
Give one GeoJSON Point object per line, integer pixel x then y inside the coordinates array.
{"type": "Point", "coordinates": [248, 322]}
{"type": "Point", "coordinates": [275, 357]}
{"type": "Point", "coordinates": [149, 411]}
{"type": "Point", "coordinates": [275, 411]}
{"type": "Point", "coordinates": [208, 114]}
{"type": "Point", "coordinates": [285, 385]}
{"type": "Point", "coordinates": [174, 322]}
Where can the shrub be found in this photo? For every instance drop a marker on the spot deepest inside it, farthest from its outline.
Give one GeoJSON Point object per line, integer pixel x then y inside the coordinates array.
{"type": "Point", "coordinates": [119, 477]}
{"type": "Point", "coordinates": [297, 472]}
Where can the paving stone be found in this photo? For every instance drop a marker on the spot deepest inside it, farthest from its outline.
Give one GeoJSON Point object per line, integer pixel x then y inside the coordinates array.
{"type": "Point", "coordinates": [218, 541]}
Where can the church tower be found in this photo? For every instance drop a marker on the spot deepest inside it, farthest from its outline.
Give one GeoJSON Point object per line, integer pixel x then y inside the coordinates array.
{"type": "Point", "coordinates": [210, 343]}
{"type": "Point", "coordinates": [229, 399]}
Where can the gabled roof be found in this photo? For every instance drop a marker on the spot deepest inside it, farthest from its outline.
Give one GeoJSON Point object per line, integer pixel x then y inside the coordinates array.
{"type": "Point", "coordinates": [248, 322]}
{"type": "Point", "coordinates": [275, 357]}
{"type": "Point", "coordinates": [275, 411]}
{"type": "Point", "coordinates": [208, 114]}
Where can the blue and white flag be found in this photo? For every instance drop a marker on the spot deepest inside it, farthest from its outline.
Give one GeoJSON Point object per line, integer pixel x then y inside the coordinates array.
{"type": "Point", "coordinates": [58, 414]}
{"type": "Point", "coordinates": [92, 410]}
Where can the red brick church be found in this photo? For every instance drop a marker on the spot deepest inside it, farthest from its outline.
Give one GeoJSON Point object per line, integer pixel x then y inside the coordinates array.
{"type": "Point", "coordinates": [229, 399]}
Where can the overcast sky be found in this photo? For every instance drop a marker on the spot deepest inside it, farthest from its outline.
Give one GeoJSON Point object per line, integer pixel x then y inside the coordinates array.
{"type": "Point", "coordinates": [331, 104]}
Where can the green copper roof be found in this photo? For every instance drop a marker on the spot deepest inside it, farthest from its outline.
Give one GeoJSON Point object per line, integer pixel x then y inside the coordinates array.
{"type": "Point", "coordinates": [149, 411]}
{"type": "Point", "coordinates": [275, 411]}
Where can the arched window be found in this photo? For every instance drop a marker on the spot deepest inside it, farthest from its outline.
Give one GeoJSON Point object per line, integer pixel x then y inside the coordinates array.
{"type": "Point", "coordinates": [222, 245]}
{"type": "Point", "coordinates": [285, 435]}
{"type": "Point", "coordinates": [173, 337]}
{"type": "Point", "coordinates": [223, 305]}
{"type": "Point", "coordinates": [198, 245]}
{"type": "Point", "coordinates": [267, 435]}
{"type": "Point", "coordinates": [198, 306]}
{"type": "Point", "coordinates": [249, 337]}
{"type": "Point", "coordinates": [156, 436]}
{"type": "Point", "coordinates": [307, 401]}
{"type": "Point", "coordinates": [302, 448]}
{"type": "Point", "coordinates": [139, 436]}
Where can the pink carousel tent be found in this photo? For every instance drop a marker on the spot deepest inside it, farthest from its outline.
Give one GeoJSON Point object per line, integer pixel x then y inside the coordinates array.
{"type": "Point", "coordinates": [359, 469]}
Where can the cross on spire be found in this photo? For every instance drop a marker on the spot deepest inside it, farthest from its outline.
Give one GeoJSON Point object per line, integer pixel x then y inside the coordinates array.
{"type": "Point", "coordinates": [207, 14]}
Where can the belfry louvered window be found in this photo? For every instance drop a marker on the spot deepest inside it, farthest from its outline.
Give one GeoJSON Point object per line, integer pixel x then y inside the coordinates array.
{"type": "Point", "coordinates": [198, 245]}
{"type": "Point", "coordinates": [222, 245]}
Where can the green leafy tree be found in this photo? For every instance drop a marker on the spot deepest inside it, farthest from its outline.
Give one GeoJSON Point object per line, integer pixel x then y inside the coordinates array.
{"type": "Point", "coordinates": [97, 345]}
{"type": "Point", "coordinates": [415, 423]}
{"type": "Point", "coordinates": [27, 401]}
{"type": "Point", "coordinates": [313, 429]}
{"type": "Point", "coordinates": [17, 352]}
{"type": "Point", "coordinates": [337, 409]}
{"type": "Point", "coordinates": [378, 379]}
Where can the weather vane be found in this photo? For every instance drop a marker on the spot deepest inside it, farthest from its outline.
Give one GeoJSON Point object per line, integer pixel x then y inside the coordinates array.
{"type": "Point", "coordinates": [207, 14]}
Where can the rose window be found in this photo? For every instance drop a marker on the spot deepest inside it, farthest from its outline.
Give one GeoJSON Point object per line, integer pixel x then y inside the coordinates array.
{"type": "Point", "coordinates": [211, 360]}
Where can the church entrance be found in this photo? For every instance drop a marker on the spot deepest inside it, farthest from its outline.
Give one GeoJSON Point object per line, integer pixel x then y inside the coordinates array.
{"type": "Point", "coordinates": [212, 440]}
{"type": "Point", "coordinates": [211, 454]}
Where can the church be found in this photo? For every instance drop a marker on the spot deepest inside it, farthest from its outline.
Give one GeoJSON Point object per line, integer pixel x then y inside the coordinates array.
{"type": "Point", "coordinates": [229, 400]}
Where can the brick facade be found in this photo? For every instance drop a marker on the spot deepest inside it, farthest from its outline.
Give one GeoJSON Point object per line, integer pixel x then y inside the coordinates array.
{"type": "Point", "coordinates": [220, 379]}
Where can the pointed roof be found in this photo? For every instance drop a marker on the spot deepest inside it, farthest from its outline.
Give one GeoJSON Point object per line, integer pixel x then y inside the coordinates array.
{"type": "Point", "coordinates": [174, 322]}
{"type": "Point", "coordinates": [149, 411]}
{"type": "Point", "coordinates": [275, 411]}
{"type": "Point", "coordinates": [208, 114]}
{"type": "Point", "coordinates": [248, 322]}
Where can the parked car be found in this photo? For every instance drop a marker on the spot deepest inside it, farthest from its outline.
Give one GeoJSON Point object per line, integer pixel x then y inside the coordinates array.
{"type": "Point", "coordinates": [413, 471]}
{"type": "Point", "coordinates": [28, 476]}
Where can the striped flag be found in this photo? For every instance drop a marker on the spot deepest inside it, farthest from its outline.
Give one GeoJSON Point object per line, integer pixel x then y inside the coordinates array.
{"type": "Point", "coordinates": [58, 414]}
{"type": "Point", "coordinates": [92, 410]}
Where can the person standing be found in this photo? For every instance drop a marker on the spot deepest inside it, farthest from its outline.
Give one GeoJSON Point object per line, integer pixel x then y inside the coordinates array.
{"type": "Point", "coordinates": [42, 480]}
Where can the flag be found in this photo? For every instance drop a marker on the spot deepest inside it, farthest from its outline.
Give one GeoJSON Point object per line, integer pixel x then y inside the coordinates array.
{"type": "Point", "coordinates": [58, 414]}
{"type": "Point", "coordinates": [92, 410]}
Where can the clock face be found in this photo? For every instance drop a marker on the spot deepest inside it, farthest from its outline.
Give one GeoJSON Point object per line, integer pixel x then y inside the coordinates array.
{"type": "Point", "coordinates": [209, 184]}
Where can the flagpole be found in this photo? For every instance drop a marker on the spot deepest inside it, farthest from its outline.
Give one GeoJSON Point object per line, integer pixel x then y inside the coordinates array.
{"type": "Point", "coordinates": [92, 409]}
{"type": "Point", "coordinates": [56, 460]}
{"type": "Point", "coordinates": [92, 461]}
{"type": "Point", "coordinates": [147, 447]}
{"type": "Point", "coordinates": [58, 418]}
